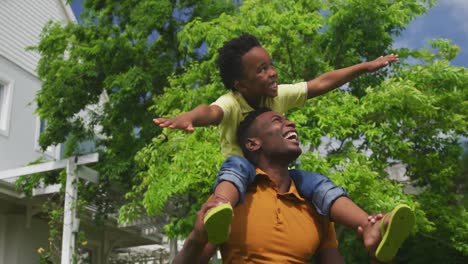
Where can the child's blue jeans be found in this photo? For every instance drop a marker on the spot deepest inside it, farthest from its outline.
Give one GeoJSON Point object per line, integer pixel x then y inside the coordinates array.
{"type": "Point", "coordinates": [315, 188]}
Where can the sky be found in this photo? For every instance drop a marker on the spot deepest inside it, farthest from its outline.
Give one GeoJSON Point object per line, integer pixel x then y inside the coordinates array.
{"type": "Point", "coordinates": [448, 19]}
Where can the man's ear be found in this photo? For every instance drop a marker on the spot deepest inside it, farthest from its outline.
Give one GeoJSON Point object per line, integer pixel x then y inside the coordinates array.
{"type": "Point", "coordinates": [253, 144]}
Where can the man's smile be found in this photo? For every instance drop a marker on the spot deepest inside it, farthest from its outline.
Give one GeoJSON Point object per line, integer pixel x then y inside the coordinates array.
{"type": "Point", "coordinates": [292, 136]}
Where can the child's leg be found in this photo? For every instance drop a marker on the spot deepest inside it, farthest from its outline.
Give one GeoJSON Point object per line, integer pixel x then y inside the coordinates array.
{"type": "Point", "coordinates": [235, 175]}
{"type": "Point", "coordinates": [329, 200]}
{"type": "Point", "coordinates": [333, 202]}
{"type": "Point", "coordinates": [382, 239]}
{"type": "Point", "coordinates": [344, 211]}
{"type": "Point", "coordinates": [318, 190]}
{"type": "Point", "coordinates": [226, 191]}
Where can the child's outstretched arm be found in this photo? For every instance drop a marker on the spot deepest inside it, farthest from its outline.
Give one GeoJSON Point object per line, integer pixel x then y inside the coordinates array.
{"type": "Point", "coordinates": [202, 115]}
{"type": "Point", "coordinates": [334, 79]}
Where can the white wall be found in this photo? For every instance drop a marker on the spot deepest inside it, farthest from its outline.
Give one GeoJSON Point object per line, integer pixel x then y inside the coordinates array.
{"type": "Point", "coordinates": [21, 22]}
{"type": "Point", "coordinates": [20, 244]}
{"type": "Point", "coordinates": [18, 147]}
{"type": "Point", "coordinates": [2, 237]}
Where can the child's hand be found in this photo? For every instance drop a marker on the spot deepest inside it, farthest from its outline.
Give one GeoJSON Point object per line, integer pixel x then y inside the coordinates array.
{"type": "Point", "coordinates": [381, 62]}
{"type": "Point", "coordinates": [182, 122]}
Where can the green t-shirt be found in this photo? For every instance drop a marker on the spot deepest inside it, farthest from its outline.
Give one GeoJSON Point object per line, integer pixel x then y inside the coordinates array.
{"type": "Point", "coordinates": [235, 109]}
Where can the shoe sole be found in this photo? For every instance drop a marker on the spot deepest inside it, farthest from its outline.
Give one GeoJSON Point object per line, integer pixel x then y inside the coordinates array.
{"type": "Point", "coordinates": [398, 229]}
{"type": "Point", "coordinates": [217, 222]}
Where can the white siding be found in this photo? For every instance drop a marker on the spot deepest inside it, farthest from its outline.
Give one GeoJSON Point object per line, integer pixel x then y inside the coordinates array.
{"type": "Point", "coordinates": [21, 22]}
{"type": "Point", "coordinates": [17, 148]}
{"type": "Point", "coordinates": [3, 227]}
{"type": "Point", "coordinates": [20, 243]}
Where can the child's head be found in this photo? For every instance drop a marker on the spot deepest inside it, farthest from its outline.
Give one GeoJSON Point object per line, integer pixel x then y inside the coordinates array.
{"type": "Point", "coordinates": [247, 68]}
{"type": "Point", "coordinates": [230, 58]}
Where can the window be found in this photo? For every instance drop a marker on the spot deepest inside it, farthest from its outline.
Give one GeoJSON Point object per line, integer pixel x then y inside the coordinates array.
{"type": "Point", "coordinates": [51, 151]}
{"type": "Point", "coordinates": [42, 126]}
{"type": "Point", "coordinates": [2, 91]}
{"type": "Point", "coordinates": [6, 95]}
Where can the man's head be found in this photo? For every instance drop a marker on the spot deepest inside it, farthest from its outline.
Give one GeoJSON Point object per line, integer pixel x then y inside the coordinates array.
{"type": "Point", "coordinates": [246, 67]}
{"type": "Point", "coordinates": [270, 135]}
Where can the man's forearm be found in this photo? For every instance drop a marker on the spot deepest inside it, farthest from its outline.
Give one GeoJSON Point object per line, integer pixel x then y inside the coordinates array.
{"type": "Point", "coordinates": [191, 251]}
{"type": "Point", "coordinates": [329, 256]}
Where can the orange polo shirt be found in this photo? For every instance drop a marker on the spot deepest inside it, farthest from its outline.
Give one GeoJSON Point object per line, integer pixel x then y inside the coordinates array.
{"type": "Point", "coordinates": [272, 227]}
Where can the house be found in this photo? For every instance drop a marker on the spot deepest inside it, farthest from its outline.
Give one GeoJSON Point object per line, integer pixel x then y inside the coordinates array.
{"type": "Point", "coordinates": [23, 225]}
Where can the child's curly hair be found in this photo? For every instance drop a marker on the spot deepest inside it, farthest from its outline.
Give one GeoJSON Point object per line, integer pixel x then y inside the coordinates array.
{"type": "Point", "coordinates": [230, 58]}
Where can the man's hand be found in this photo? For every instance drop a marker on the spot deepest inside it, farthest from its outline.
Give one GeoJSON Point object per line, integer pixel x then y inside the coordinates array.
{"type": "Point", "coordinates": [381, 62]}
{"type": "Point", "coordinates": [370, 234]}
{"type": "Point", "coordinates": [199, 232]}
{"type": "Point", "coordinates": [183, 122]}
{"type": "Point", "coordinates": [196, 248]}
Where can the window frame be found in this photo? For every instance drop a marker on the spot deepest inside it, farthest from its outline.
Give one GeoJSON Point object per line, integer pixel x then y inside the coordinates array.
{"type": "Point", "coordinates": [51, 151]}
{"type": "Point", "coordinates": [6, 103]}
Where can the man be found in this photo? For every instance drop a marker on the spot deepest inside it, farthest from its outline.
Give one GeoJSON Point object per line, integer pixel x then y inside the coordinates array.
{"type": "Point", "coordinates": [276, 225]}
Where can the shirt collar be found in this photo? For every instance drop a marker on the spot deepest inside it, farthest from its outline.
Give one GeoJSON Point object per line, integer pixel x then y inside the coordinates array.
{"type": "Point", "coordinates": [245, 107]}
{"type": "Point", "coordinates": [293, 192]}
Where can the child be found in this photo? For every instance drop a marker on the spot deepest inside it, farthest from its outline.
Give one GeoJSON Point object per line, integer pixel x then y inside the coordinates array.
{"type": "Point", "coordinates": [247, 70]}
